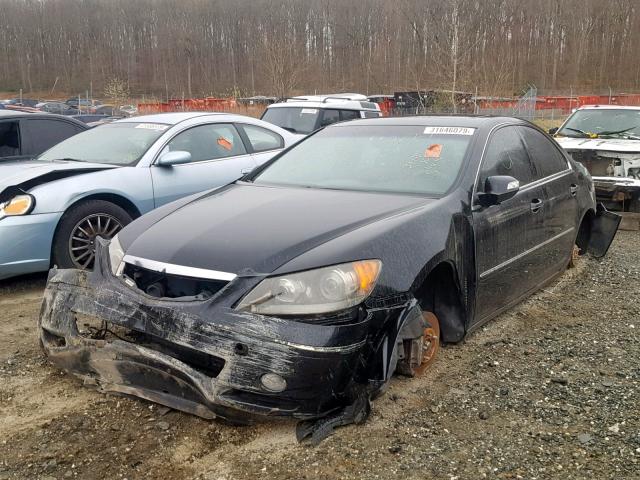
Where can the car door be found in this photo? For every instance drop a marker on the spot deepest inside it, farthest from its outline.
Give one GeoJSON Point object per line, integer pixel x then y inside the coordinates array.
{"type": "Point", "coordinates": [40, 134]}
{"type": "Point", "coordinates": [506, 234]}
{"type": "Point", "coordinates": [553, 173]}
{"type": "Point", "coordinates": [263, 143]}
{"type": "Point", "coordinates": [218, 157]}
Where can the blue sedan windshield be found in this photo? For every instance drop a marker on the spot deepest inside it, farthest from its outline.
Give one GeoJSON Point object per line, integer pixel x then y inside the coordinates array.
{"type": "Point", "coordinates": [113, 143]}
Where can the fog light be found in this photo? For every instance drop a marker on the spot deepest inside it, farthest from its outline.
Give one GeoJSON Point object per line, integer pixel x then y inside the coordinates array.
{"type": "Point", "coordinates": [273, 382]}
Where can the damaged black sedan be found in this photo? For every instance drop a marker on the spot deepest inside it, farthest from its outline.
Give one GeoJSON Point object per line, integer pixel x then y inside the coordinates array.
{"type": "Point", "coordinates": [300, 289]}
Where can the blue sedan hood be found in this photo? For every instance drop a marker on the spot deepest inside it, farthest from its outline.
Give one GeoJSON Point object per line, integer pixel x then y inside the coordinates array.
{"type": "Point", "coordinates": [21, 175]}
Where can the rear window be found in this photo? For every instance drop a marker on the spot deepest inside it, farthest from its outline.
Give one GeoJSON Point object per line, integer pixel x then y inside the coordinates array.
{"type": "Point", "coordinates": [293, 119]}
{"type": "Point", "coordinates": [400, 159]}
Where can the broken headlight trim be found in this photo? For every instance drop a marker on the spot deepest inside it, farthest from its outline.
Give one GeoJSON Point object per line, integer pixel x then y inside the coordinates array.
{"type": "Point", "coordinates": [116, 255]}
{"type": "Point", "coordinates": [18, 205]}
{"type": "Point", "coordinates": [322, 290]}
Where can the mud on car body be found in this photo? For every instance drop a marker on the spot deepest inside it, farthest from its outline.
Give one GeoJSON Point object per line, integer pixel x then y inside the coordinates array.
{"type": "Point", "coordinates": [300, 289]}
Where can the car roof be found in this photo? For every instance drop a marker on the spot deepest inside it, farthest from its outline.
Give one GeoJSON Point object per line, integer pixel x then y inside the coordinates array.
{"type": "Point", "coordinates": [178, 117]}
{"type": "Point", "coordinates": [14, 113]}
{"type": "Point", "coordinates": [168, 118]}
{"type": "Point", "coordinates": [42, 115]}
{"type": "Point", "coordinates": [351, 101]}
{"type": "Point", "coordinates": [471, 121]}
{"type": "Point", "coordinates": [608, 107]}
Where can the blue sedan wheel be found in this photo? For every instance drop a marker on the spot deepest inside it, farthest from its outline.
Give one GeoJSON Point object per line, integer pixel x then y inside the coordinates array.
{"type": "Point", "coordinates": [75, 239]}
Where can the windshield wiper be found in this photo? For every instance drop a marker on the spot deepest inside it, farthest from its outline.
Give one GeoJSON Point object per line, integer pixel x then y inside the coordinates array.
{"type": "Point", "coordinates": [289, 129]}
{"type": "Point", "coordinates": [581, 132]}
{"type": "Point", "coordinates": [66, 159]}
{"type": "Point", "coordinates": [618, 132]}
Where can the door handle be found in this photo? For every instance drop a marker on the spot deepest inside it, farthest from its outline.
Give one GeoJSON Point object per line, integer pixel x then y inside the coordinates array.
{"type": "Point", "coordinates": [536, 205]}
{"type": "Point", "coordinates": [573, 189]}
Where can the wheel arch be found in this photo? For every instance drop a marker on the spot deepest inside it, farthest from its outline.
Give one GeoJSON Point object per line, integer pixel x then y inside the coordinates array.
{"type": "Point", "coordinates": [119, 200]}
{"type": "Point", "coordinates": [583, 236]}
{"type": "Point", "coordinates": [441, 294]}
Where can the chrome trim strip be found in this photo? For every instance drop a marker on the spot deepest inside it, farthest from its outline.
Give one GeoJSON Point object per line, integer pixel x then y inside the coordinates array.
{"type": "Point", "coordinates": [525, 253]}
{"type": "Point", "coordinates": [543, 181]}
{"type": "Point", "coordinates": [181, 270]}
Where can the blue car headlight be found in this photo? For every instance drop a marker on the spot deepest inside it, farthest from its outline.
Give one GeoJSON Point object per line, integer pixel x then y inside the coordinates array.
{"type": "Point", "coordinates": [18, 205]}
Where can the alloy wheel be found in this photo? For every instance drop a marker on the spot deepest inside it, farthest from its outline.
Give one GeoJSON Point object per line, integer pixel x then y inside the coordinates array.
{"type": "Point", "coordinates": [82, 248]}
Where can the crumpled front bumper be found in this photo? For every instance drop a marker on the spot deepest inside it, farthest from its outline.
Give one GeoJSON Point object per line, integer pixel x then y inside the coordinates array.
{"type": "Point", "coordinates": [195, 356]}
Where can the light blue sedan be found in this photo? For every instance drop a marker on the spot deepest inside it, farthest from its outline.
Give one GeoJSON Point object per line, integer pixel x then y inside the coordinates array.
{"type": "Point", "coordinates": [93, 184]}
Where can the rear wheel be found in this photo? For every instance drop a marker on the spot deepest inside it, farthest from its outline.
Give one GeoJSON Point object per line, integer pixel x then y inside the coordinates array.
{"type": "Point", "coordinates": [74, 242]}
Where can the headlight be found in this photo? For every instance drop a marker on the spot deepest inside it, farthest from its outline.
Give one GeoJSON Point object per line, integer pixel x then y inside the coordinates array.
{"type": "Point", "coordinates": [322, 290]}
{"type": "Point", "coordinates": [18, 205]}
{"type": "Point", "coordinates": [116, 254]}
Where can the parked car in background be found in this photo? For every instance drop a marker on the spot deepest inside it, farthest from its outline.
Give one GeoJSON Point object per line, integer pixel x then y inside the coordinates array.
{"type": "Point", "coordinates": [27, 135]}
{"type": "Point", "coordinates": [57, 107]}
{"type": "Point", "coordinates": [53, 208]}
{"type": "Point", "coordinates": [90, 117]}
{"type": "Point", "coordinates": [22, 102]}
{"type": "Point", "coordinates": [300, 289]}
{"type": "Point", "coordinates": [83, 104]}
{"type": "Point", "coordinates": [606, 140]}
{"type": "Point", "coordinates": [129, 110]}
{"type": "Point", "coordinates": [305, 114]}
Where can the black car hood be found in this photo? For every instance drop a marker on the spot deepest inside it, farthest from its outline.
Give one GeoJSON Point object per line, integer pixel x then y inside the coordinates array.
{"type": "Point", "coordinates": [251, 229]}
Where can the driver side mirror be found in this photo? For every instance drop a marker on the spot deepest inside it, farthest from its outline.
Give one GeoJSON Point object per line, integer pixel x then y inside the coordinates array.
{"type": "Point", "coordinates": [174, 158]}
{"type": "Point", "coordinates": [553, 131]}
{"type": "Point", "coordinates": [497, 189]}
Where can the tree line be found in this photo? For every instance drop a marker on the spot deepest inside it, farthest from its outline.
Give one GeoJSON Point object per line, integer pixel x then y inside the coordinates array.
{"type": "Point", "coordinates": [170, 48]}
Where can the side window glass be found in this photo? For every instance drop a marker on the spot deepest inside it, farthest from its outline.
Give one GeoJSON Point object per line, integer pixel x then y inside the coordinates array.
{"type": "Point", "coordinates": [262, 139]}
{"type": "Point", "coordinates": [329, 117]}
{"type": "Point", "coordinates": [39, 134]}
{"type": "Point", "coordinates": [349, 114]}
{"type": "Point", "coordinates": [208, 142]}
{"type": "Point", "coordinates": [545, 157]}
{"type": "Point", "coordinates": [9, 139]}
{"type": "Point", "coordinates": [506, 155]}
{"type": "Point", "coordinates": [368, 114]}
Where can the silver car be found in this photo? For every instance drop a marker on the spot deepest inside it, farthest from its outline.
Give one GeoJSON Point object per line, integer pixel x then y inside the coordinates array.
{"type": "Point", "coordinates": [53, 207]}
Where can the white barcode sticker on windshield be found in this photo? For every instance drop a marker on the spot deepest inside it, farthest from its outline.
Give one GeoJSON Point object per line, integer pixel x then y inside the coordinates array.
{"type": "Point", "coordinates": [309, 110]}
{"type": "Point", "coordinates": [449, 130]}
{"type": "Point", "coordinates": [152, 126]}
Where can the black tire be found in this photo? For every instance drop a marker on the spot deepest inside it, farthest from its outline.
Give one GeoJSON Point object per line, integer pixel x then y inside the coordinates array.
{"type": "Point", "coordinates": [99, 214]}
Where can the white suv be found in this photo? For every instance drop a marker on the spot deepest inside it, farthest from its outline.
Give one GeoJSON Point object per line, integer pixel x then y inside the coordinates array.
{"type": "Point", "coordinates": [305, 114]}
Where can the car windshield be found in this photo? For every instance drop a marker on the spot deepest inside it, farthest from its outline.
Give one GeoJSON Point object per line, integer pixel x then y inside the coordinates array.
{"type": "Point", "coordinates": [115, 143]}
{"type": "Point", "coordinates": [400, 159]}
{"type": "Point", "coordinates": [293, 119]}
{"type": "Point", "coordinates": [612, 122]}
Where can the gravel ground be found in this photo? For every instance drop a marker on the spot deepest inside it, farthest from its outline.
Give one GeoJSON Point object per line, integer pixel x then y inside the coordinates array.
{"type": "Point", "coordinates": [550, 389]}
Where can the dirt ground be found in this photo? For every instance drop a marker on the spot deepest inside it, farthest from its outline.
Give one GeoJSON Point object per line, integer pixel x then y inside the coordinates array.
{"type": "Point", "coordinates": [550, 389]}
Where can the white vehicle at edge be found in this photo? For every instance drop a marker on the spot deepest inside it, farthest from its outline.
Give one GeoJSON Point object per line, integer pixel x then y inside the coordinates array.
{"type": "Point", "coordinates": [606, 140]}
{"type": "Point", "coordinates": [305, 114]}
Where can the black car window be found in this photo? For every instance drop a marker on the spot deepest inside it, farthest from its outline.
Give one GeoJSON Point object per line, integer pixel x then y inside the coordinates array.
{"type": "Point", "coordinates": [38, 135]}
{"type": "Point", "coordinates": [349, 114]}
{"type": "Point", "coordinates": [9, 139]}
{"type": "Point", "coordinates": [545, 157]}
{"type": "Point", "coordinates": [329, 117]}
{"type": "Point", "coordinates": [262, 139]}
{"type": "Point", "coordinates": [506, 155]}
{"type": "Point", "coordinates": [208, 142]}
{"type": "Point", "coordinates": [371, 114]}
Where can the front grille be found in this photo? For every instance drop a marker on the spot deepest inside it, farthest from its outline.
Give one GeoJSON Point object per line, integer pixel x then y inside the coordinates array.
{"type": "Point", "coordinates": [164, 285]}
